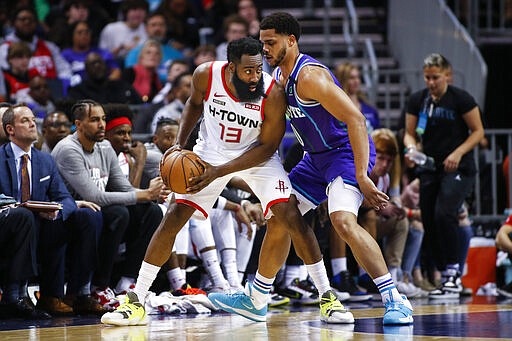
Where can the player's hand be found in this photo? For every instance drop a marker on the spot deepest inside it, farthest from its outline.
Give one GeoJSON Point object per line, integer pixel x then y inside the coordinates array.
{"type": "Point", "coordinates": [254, 211]}
{"type": "Point", "coordinates": [138, 151]}
{"type": "Point", "coordinates": [88, 204]}
{"type": "Point", "coordinates": [172, 149]}
{"type": "Point", "coordinates": [242, 218]}
{"type": "Point", "coordinates": [392, 210]}
{"type": "Point", "coordinates": [373, 197]}
{"type": "Point", "coordinates": [164, 194]}
{"type": "Point", "coordinates": [156, 185]}
{"type": "Point", "coordinates": [197, 183]}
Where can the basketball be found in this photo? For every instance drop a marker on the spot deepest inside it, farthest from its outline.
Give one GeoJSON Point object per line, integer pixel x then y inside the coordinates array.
{"type": "Point", "coordinates": [178, 167]}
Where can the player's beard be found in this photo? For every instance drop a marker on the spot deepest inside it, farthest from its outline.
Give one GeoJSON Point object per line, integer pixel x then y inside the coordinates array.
{"type": "Point", "coordinates": [242, 89]}
{"type": "Point", "coordinates": [95, 137]}
{"type": "Point", "coordinates": [279, 58]}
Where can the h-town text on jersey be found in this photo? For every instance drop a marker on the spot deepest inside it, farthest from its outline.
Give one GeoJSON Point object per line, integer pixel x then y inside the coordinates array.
{"type": "Point", "coordinates": [230, 116]}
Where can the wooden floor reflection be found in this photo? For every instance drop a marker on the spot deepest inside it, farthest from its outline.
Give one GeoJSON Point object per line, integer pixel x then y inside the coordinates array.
{"type": "Point", "coordinates": [477, 318]}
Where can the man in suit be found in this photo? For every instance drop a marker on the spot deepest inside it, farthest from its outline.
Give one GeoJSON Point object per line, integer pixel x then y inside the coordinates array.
{"type": "Point", "coordinates": [17, 263]}
{"type": "Point", "coordinates": [28, 174]}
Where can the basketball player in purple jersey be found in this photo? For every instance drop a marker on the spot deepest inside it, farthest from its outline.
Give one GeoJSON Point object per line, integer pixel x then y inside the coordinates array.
{"type": "Point", "coordinates": [339, 153]}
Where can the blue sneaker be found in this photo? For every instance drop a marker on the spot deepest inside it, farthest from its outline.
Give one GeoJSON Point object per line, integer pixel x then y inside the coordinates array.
{"type": "Point", "coordinates": [398, 312]}
{"type": "Point", "coordinates": [240, 303]}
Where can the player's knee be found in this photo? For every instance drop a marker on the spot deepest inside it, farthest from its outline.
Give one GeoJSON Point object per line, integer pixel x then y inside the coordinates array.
{"type": "Point", "coordinates": [344, 224]}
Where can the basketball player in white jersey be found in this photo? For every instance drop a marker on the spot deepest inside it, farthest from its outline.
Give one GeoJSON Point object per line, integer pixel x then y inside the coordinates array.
{"type": "Point", "coordinates": [243, 124]}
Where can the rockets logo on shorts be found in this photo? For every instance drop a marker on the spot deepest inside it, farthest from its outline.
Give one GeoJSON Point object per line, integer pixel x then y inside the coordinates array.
{"type": "Point", "coordinates": [281, 186]}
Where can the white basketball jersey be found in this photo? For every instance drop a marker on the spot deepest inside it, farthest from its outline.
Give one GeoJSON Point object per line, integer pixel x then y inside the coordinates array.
{"type": "Point", "coordinates": [230, 126]}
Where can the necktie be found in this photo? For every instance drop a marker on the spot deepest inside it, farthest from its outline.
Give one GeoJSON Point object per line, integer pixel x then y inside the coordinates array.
{"type": "Point", "coordinates": [25, 181]}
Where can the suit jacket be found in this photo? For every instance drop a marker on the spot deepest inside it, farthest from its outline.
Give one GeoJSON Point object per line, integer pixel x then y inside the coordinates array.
{"type": "Point", "coordinates": [47, 185]}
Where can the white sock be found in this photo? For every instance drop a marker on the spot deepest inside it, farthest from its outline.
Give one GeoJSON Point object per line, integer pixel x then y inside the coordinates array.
{"type": "Point", "coordinates": [124, 284]}
{"type": "Point", "coordinates": [291, 272]}
{"type": "Point", "coordinates": [147, 275]}
{"type": "Point", "coordinates": [212, 267]}
{"type": "Point", "coordinates": [387, 288]}
{"type": "Point", "coordinates": [318, 274]}
{"type": "Point", "coordinates": [260, 290]}
{"type": "Point", "coordinates": [338, 265]}
{"type": "Point", "coordinates": [176, 278]}
{"type": "Point", "coordinates": [230, 268]}
{"type": "Point", "coordinates": [303, 272]}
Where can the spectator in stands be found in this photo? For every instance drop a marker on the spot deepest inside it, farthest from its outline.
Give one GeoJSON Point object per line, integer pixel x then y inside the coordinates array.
{"type": "Point", "coordinates": [247, 10]}
{"type": "Point", "coordinates": [46, 59]}
{"type": "Point", "coordinates": [350, 80]}
{"type": "Point", "coordinates": [235, 27]}
{"type": "Point", "coordinates": [182, 23]}
{"type": "Point", "coordinates": [79, 46]}
{"type": "Point", "coordinates": [98, 87]}
{"type": "Point", "coordinates": [176, 68]}
{"type": "Point", "coordinates": [91, 171]}
{"type": "Point", "coordinates": [392, 222]}
{"type": "Point", "coordinates": [411, 265]}
{"type": "Point", "coordinates": [61, 20]}
{"type": "Point", "coordinates": [447, 121]}
{"type": "Point", "coordinates": [144, 75]}
{"type": "Point", "coordinates": [56, 126]}
{"type": "Point", "coordinates": [39, 98]}
{"type": "Point", "coordinates": [203, 54]}
{"type": "Point", "coordinates": [121, 36]}
{"type": "Point", "coordinates": [504, 243]}
{"type": "Point", "coordinates": [157, 30]}
{"type": "Point", "coordinates": [181, 92]}
{"type": "Point", "coordinates": [28, 174]}
{"type": "Point", "coordinates": [17, 75]}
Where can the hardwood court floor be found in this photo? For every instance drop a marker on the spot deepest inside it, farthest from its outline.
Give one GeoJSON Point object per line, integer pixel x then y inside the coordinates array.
{"type": "Point", "coordinates": [476, 318]}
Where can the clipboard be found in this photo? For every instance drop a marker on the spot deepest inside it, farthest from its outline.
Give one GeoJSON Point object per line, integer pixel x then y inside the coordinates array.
{"type": "Point", "coordinates": [41, 206]}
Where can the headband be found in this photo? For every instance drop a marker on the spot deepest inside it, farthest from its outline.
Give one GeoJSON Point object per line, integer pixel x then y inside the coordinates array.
{"type": "Point", "coordinates": [117, 122]}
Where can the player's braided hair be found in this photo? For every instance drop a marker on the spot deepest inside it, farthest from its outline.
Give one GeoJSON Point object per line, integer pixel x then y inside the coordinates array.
{"type": "Point", "coordinates": [82, 109]}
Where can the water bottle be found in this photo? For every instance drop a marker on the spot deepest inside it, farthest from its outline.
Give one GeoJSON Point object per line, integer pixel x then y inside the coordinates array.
{"type": "Point", "coordinates": [422, 160]}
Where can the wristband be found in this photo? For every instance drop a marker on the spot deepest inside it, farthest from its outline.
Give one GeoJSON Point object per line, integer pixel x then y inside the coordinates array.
{"type": "Point", "coordinates": [409, 213]}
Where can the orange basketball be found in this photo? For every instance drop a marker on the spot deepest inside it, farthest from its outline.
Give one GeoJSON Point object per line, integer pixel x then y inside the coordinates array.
{"type": "Point", "coordinates": [178, 167]}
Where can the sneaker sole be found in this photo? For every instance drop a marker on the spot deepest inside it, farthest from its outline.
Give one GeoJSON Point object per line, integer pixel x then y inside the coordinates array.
{"type": "Point", "coordinates": [400, 321]}
{"type": "Point", "coordinates": [345, 318]}
{"type": "Point", "coordinates": [124, 322]}
{"type": "Point", "coordinates": [242, 312]}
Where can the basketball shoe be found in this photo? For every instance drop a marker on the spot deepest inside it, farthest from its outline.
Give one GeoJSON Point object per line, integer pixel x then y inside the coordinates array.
{"type": "Point", "coordinates": [300, 292]}
{"type": "Point", "coordinates": [130, 313]}
{"type": "Point", "coordinates": [332, 311]}
{"type": "Point", "coordinates": [276, 300]}
{"type": "Point", "coordinates": [397, 312]}
{"type": "Point", "coordinates": [344, 282]}
{"type": "Point", "coordinates": [240, 303]}
{"type": "Point", "coordinates": [106, 298]}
